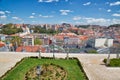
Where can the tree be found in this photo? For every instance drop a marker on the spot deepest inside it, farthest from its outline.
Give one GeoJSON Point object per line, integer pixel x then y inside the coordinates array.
{"type": "Point", "coordinates": [16, 40]}
{"type": "Point", "coordinates": [10, 25]}
{"type": "Point", "coordinates": [115, 25]}
{"type": "Point", "coordinates": [10, 29]}
{"type": "Point", "coordinates": [38, 29]}
{"type": "Point", "coordinates": [37, 41]}
{"type": "Point", "coordinates": [117, 51]}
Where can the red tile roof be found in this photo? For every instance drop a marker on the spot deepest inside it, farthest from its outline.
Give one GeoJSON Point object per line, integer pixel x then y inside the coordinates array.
{"type": "Point", "coordinates": [59, 37]}
{"type": "Point", "coordinates": [30, 49]}
{"type": "Point", "coordinates": [14, 35]}
{"type": "Point", "coordinates": [73, 28]}
{"type": "Point", "coordinates": [83, 37]}
{"type": "Point", "coordinates": [2, 44]}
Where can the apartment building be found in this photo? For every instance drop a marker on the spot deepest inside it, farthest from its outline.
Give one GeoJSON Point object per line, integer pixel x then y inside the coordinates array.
{"type": "Point", "coordinates": [28, 40]}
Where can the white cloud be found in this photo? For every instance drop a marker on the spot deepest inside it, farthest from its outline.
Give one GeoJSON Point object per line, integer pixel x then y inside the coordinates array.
{"type": "Point", "coordinates": [109, 10]}
{"type": "Point", "coordinates": [47, 1]}
{"type": "Point", "coordinates": [115, 3]}
{"type": "Point", "coordinates": [40, 0]}
{"type": "Point", "coordinates": [80, 23]}
{"type": "Point", "coordinates": [16, 18]}
{"type": "Point", "coordinates": [64, 22]}
{"type": "Point", "coordinates": [86, 4]}
{"type": "Point", "coordinates": [100, 9]}
{"type": "Point", "coordinates": [3, 17]}
{"type": "Point", "coordinates": [65, 12]}
{"type": "Point", "coordinates": [46, 16]}
{"type": "Point", "coordinates": [116, 15]}
{"type": "Point", "coordinates": [96, 20]}
{"type": "Point", "coordinates": [77, 22]}
{"type": "Point", "coordinates": [2, 12]}
{"type": "Point", "coordinates": [115, 21]}
{"type": "Point", "coordinates": [33, 21]}
{"type": "Point", "coordinates": [22, 22]}
{"type": "Point", "coordinates": [31, 17]}
{"type": "Point", "coordinates": [107, 3]}
{"type": "Point", "coordinates": [33, 13]}
{"type": "Point", "coordinates": [7, 11]}
{"type": "Point", "coordinates": [66, 0]}
{"type": "Point", "coordinates": [40, 15]}
{"type": "Point", "coordinates": [76, 18]}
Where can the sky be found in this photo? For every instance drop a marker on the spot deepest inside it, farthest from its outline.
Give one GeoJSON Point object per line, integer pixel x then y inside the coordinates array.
{"type": "Point", "coordinates": [93, 12]}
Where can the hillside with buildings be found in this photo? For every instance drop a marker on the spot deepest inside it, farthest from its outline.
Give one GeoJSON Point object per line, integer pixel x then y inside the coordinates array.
{"type": "Point", "coordinates": [59, 38]}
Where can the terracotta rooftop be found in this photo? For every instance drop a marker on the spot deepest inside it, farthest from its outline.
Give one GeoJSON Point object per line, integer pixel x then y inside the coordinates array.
{"type": "Point", "coordinates": [30, 49]}
{"type": "Point", "coordinates": [2, 44]}
{"type": "Point", "coordinates": [83, 37]}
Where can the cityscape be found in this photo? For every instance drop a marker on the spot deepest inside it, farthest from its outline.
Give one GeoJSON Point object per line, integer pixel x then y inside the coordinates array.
{"type": "Point", "coordinates": [78, 38]}
{"type": "Point", "coordinates": [41, 30]}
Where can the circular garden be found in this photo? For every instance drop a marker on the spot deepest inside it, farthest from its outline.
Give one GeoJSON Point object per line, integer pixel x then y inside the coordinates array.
{"type": "Point", "coordinates": [46, 72]}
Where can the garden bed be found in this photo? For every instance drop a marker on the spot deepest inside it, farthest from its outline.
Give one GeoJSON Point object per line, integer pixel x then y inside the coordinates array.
{"type": "Point", "coordinates": [72, 67]}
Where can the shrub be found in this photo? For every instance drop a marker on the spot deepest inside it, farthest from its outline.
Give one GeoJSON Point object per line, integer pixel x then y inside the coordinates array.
{"type": "Point", "coordinates": [92, 51]}
{"type": "Point", "coordinates": [113, 62]}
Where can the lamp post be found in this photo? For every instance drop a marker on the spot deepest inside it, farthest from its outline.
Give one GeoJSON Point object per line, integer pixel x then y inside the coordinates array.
{"type": "Point", "coordinates": [108, 58]}
{"type": "Point", "coordinates": [67, 56]}
{"type": "Point", "coordinates": [39, 54]}
{"type": "Point", "coordinates": [38, 71]}
{"type": "Point", "coordinates": [53, 48]}
{"type": "Point", "coordinates": [117, 51]}
{"type": "Point", "coordinates": [106, 44]}
{"type": "Point", "coordinates": [109, 44]}
{"type": "Point", "coordinates": [67, 47]}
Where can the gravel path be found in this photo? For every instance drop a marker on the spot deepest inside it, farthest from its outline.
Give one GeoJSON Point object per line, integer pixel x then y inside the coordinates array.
{"type": "Point", "coordinates": [92, 64]}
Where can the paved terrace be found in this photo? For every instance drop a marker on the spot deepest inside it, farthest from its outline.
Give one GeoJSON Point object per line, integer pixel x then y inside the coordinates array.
{"type": "Point", "coordinates": [92, 64]}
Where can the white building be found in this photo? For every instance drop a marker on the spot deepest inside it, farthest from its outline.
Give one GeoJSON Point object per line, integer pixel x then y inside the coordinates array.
{"type": "Point", "coordinates": [26, 31]}
{"type": "Point", "coordinates": [28, 40]}
{"type": "Point", "coordinates": [71, 40]}
{"type": "Point", "coordinates": [103, 42]}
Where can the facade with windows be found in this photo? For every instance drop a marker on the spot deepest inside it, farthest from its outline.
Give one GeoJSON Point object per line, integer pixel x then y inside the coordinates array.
{"type": "Point", "coordinates": [28, 40]}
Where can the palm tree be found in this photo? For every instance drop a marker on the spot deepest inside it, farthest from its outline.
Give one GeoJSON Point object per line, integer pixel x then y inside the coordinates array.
{"type": "Point", "coordinates": [16, 41]}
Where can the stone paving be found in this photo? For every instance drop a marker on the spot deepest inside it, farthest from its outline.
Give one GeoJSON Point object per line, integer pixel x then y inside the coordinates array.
{"type": "Point", "coordinates": [92, 64]}
{"type": "Point", "coordinates": [96, 69]}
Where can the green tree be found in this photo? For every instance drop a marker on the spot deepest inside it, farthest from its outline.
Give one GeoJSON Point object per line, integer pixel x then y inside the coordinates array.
{"type": "Point", "coordinates": [16, 40]}
{"type": "Point", "coordinates": [38, 29]}
{"type": "Point", "coordinates": [114, 25]}
{"type": "Point", "coordinates": [37, 41]}
{"type": "Point", "coordinates": [10, 25]}
{"type": "Point", "coordinates": [10, 29]}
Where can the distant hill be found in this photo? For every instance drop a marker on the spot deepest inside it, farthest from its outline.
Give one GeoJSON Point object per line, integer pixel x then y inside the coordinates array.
{"type": "Point", "coordinates": [82, 26]}
{"type": "Point", "coordinates": [114, 25]}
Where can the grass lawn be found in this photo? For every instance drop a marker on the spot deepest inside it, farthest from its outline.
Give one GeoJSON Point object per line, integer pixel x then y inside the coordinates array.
{"type": "Point", "coordinates": [71, 66]}
{"type": "Point", "coordinates": [113, 62]}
